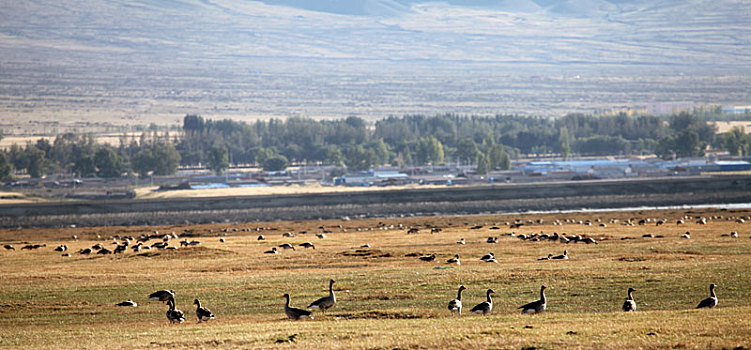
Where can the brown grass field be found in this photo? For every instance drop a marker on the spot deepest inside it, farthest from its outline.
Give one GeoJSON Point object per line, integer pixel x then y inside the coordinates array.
{"type": "Point", "coordinates": [387, 300]}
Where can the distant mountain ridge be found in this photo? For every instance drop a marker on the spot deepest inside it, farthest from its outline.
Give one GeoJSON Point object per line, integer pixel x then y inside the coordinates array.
{"type": "Point", "coordinates": [340, 57]}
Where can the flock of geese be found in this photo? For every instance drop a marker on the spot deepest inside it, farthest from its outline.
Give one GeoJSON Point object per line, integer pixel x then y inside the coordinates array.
{"type": "Point", "coordinates": [173, 314]}
{"type": "Point", "coordinates": [203, 314]}
{"type": "Point", "coordinates": [539, 305]}
{"type": "Point", "coordinates": [485, 307]}
{"type": "Point", "coordinates": [454, 306]}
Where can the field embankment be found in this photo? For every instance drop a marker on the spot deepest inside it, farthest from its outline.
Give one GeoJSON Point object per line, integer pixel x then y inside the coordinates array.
{"type": "Point", "coordinates": [413, 201]}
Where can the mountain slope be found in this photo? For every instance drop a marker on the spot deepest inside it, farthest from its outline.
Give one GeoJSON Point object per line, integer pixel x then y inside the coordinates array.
{"type": "Point", "coordinates": [149, 59]}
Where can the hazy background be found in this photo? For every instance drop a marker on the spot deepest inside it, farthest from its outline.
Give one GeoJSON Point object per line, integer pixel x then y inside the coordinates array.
{"type": "Point", "coordinates": [88, 63]}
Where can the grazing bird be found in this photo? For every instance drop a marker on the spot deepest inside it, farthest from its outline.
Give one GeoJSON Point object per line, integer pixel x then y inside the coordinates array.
{"type": "Point", "coordinates": [174, 315]}
{"type": "Point", "coordinates": [308, 245]}
{"type": "Point", "coordinates": [546, 257]}
{"type": "Point", "coordinates": [66, 255]}
{"type": "Point", "coordinates": [366, 245]}
{"type": "Point", "coordinates": [294, 313]}
{"type": "Point", "coordinates": [290, 339]}
{"type": "Point", "coordinates": [492, 240]}
{"type": "Point", "coordinates": [428, 258]}
{"type": "Point", "coordinates": [86, 251]}
{"type": "Point", "coordinates": [536, 306]}
{"type": "Point", "coordinates": [326, 302]}
{"type": "Point", "coordinates": [261, 238]}
{"type": "Point", "coordinates": [321, 235]}
{"type": "Point", "coordinates": [454, 260]}
{"type": "Point", "coordinates": [629, 304]}
{"type": "Point", "coordinates": [485, 307]}
{"type": "Point", "coordinates": [589, 240]}
{"type": "Point", "coordinates": [488, 256]}
{"type": "Point", "coordinates": [128, 302]}
{"type": "Point", "coordinates": [104, 251]}
{"type": "Point", "coordinates": [9, 247]}
{"type": "Point", "coordinates": [461, 241]}
{"type": "Point", "coordinates": [162, 295]}
{"type": "Point", "coordinates": [287, 246]}
{"type": "Point", "coordinates": [456, 304]}
{"type": "Point", "coordinates": [61, 248]}
{"type": "Point", "coordinates": [686, 235]}
{"type": "Point", "coordinates": [203, 313]}
{"type": "Point", "coordinates": [710, 302]}
{"type": "Point", "coordinates": [561, 257]}
{"type": "Point", "coordinates": [272, 251]}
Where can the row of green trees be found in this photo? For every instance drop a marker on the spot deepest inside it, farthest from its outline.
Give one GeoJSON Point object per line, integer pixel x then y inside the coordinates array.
{"type": "Point", "coordinates": [487, 142]}
{"type": "Point", "coordinates": [83, 156]}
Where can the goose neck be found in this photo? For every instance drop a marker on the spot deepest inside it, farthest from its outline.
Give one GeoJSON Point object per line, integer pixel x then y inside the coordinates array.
{"type": "Point", "coordinates": [459, 295]}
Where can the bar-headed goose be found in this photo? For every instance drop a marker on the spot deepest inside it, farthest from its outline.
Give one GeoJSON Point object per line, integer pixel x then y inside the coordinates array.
{"type": "Point", "coordinates": [456, 304]}
{"type": "Point", "coordinates": [536, 306]}
{"type": "Point", "coordinates": [162, 295]}
{"type": "Point", "coordinates": [326, 302]}
{"type": "Point", "coordinates": [174, 315]}
{"type": "Point", "coordinates": [485, 307]}
{"type": "Point", "coordinates": [629, 304]}
{"type": "Point", "coordinates": [710, 302]}
{"type": "Point", "coordinates": [128, 302]}
{"type": "Point", "coordinates": [454, 260]}
{"type": "Point", "coordinates": [294, 313]}
{"type": "Point", "coordinates": [203, 313]}
{"type": "Point", "coordinates": [564, 256]}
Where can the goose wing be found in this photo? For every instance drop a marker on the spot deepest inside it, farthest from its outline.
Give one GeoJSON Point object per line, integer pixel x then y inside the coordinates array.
{"type": "Point", "coordinates": [481, 307]}
{"type": "Point", "coordinates": [707, 303]}
{"type": "Point", "coordinates": [296, 313]}
{"type": "Point", "coordinates": [629, 305]}
{"type": "Point", "coordinates": [204, 313]}
{"type": "Point", "coordinates": [322, 303]}
{"type": "Point", "coordinates": [455, 305]}
{"type": "Point", "coordinates": [533, 305]}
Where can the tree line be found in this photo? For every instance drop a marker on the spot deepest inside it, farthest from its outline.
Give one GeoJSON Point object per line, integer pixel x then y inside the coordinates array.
{"type": "Point", "coordinates": [484, 142]}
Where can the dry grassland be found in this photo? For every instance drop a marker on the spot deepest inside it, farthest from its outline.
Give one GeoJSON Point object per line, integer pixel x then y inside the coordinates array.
{"type": "Point", "coordinates": [386, 299]}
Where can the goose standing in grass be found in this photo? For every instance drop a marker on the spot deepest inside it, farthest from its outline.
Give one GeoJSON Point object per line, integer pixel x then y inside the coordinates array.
{"type": "Point", "coordinates": [629, 304]}
{"type": "Point", "coordinates": [485, 307]}
{"type": "Point", "coordinates": [128, 302]}
{"type": "Point", "coordinates": [294, 313]}
{"type": "Point", "coordinates": [561, 257]}
{"type": "Point", "coordinates": [203, 313]}
{"type": "Point", "coordinates": [163, 295]}
{"type": "Point", "coordinates": [287, 246]}
{"type": "Point", "coordinates": [307, 245]}
{"type": "Point", "coordinates": [710, 302]}
{"type": "Point", "coordinates": [454, 260]}
{"type": "Point", "coordinates": [536, 306]}
{"type": "Point", "coordinates": [326, 302]}
{"type": "Point", "coordinates": [174, 315]}
{"type": "Point", "coordinates": [9, 247]}
{"type": "Point", "coordinates": [456, 304]}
